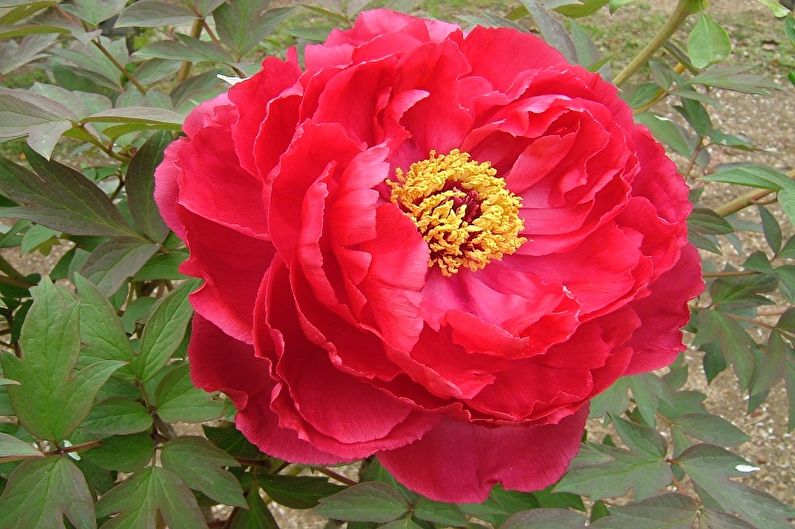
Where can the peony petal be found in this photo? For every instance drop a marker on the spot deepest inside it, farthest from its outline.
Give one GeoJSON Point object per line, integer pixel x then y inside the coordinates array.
{"type": "Point", "coordinates": [232, 266]}
{"type": "Point", "coordinates": [251, 97]}
{"type": "Point", "coordinates": [658, 341]}
{"type": "Point", "coordinates": [334, 411]}
{"type": "Point", "coordinates": [167, 187]}
{"type": "Point", "coordinates": [459, 462]}
{"type": "Point", "coordinates": [221, 363]}
{"type": "Point", "coordinates": [500, 54]}
{"type": "Point", "coordinates": [213, 186]}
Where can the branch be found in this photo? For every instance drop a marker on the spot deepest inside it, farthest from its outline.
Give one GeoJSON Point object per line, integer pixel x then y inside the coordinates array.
{"type": "Point", "coordinates": [683, 10]}
{"type": "Point", "coordinates": [141, 88]}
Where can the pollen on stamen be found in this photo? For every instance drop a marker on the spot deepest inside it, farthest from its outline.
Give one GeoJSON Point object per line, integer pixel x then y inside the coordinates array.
{"type": "Point", "coordinates": [463, 210]}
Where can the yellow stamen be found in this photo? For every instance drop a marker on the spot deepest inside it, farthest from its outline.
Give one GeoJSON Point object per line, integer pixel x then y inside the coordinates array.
{"type": "Point", "coordinates": [462, 209]}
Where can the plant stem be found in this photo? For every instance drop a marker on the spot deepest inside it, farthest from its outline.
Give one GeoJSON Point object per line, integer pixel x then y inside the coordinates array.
{"type": "Point", "coordinates": [739, 273]}
{"type": "Point", "coordinates": [662, 93]}
{"type": "Point", "coordinates": [78, 447]}
{"type": "Point", "coordinates": [683, 10]}
{"type": "Point", "coordinates": [333, 475]}
{"type": "Point", "coordinates": [749, 199]}
{"type": "Point", "coordinates": [195, 33]}
{"type": "Point", "coordinates": [101, 146]}
{"type": "Point", "coordinates": [742, 202]}
{"type": "Point", "coordinates": [141, 88]}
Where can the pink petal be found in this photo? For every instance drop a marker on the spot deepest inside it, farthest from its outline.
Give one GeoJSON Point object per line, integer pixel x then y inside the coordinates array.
{"type": "Point", "coordinates": [460, 462]}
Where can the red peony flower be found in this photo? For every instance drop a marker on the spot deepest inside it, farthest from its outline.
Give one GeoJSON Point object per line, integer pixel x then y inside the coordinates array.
{"type": "Point", "coordinates": [431, 246]}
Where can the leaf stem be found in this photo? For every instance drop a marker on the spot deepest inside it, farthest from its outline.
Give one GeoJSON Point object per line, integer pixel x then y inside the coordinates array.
{"type": "Point", "coordinates": [334, 475]}
{"type": "Point", "coordinates": [748, 199]}
{"type": "Point", "coordinates": [683, 10]}
{"type": "Point", "coordinates": [738, 273]}
{"type": "Point", "coordinates": [98, 144]}
{"type": "Point", "coordinates": [141, 88]}
{"type": "Point", "coordinates": [76, 448]}
{"type": "Point", "coordinates": [742, 202]}
{"type": "Point", "coordinates": [662, 93]}
{"type": "Point", "coordinates": [195, 33]}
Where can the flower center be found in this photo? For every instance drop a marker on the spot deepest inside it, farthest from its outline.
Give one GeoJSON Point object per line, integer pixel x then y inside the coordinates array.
{"type": "Point", "coordinates": [462, 209]}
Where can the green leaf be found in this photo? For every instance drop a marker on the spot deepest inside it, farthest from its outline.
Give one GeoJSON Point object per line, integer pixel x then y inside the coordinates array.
{"type": "Point", "coordinates": [138, 500]}
{"type": "Point", "coordinates": [789, 380]}
{"type": "Point", "coordinates": [153, 14]}
{"type": "Point", "coordinates": [697, 116]}
{"type": "Point", "coordinates": [666, 131]}
{"type": "Point", "coordinates": [185, 49]}
{"type": "Point", "coordinates": [89, 62]}
{"type": "Point", "coordinates": [243, 24]}
{"type": "Point", "coordinates": [439, 513]}
{"type": "Point", "coordinates": [117, 416]}
{"type": "Point", "coordinates": [719, 520]}
{"type": "Point", "coordinates": [599, 511]}
{"type": "Point", "coordinates": [140, 185]}
{"type": "Point", "coordinates": [776, 7]}
{"type": "Point", "coordinates": [297, 492]}
{"type": "Point", "coordinates": [742, 292]}
{"type": "Point", "coordinates": [613, 400]}
{"type": "Point", "coordinates": [601, 471]}
{"type": "Point", "coordinates": [669, 511]}
{"type": "Point", "coordinates": [501, 504]}
{"type": "Point", "coordinates": [711, 467]}
{"type": "Point", "coordinates": [145, 116]}
{"type": "Point", "coordinates": [164, 331]}
{"type": "Point", "coordinates": [122, 453]}
{"type": "Point", "coordinates": [647, 390]}
{"type": "Point", "coordinates": [52, 400]}
{"type": "Point", "coordinates": [178, 400]}
{"type": "Point", "coordinates": [733, 342]}
{"type": "Point", "coordinates": [582, 8]}
{"type": "Point", "coordinates": [710, 428]}
{"type": "Point", "coordinates": [94, 11]}
{"type": "Point", "coordinates": [371, 501]}
{"type": "Point", "coordinates": [256, 517]}
{"type": "Point", "coordinates": [734, 78]}
{"type": "Point", "coordinates": [17, 54]}
{"type": "Point", "coordinates": [587, 53]}
{"type": "Point", "coordinates": [116, 260]}
{"type": "Point", "coordinates": [19, 30]}
{"type": "Point", "coordinates": [231, 441]}
{"type": "Point", "coordinates": [771, 228]}
{"type": "Point", "coordinates": [35, 237]}
{"type": "Point", "coordinates": [708, 43]}
{"type": "Point", "coordinates": [772, 369]}
{"type": "Point", "coordinates": [751, 175]}
{"type": "Point", "coordinates": [11, 447]}
{"type": "Point", "coordinates": [200, 465]}
{"type": "Point", "coordinates": [403, 523]}
{"type": "Point", "coordinates": [101, 333]}
{"type": "Point", "coordinates": [42, 120]}
{"type": "Point", "coordinates": [789, 28]}
{"type": "Point", "coordinates": [163, 266]}
{"type": "Point", "coordinates": [59, 198]}
{"type": "Point", "coordinates": [41, 492]}
{"type": "Point", "coordinates": [545, 519]}
{"type": "Point", "coordinates": [640, 438]}
{"type": "Point", "coordinates": [551, 29]}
